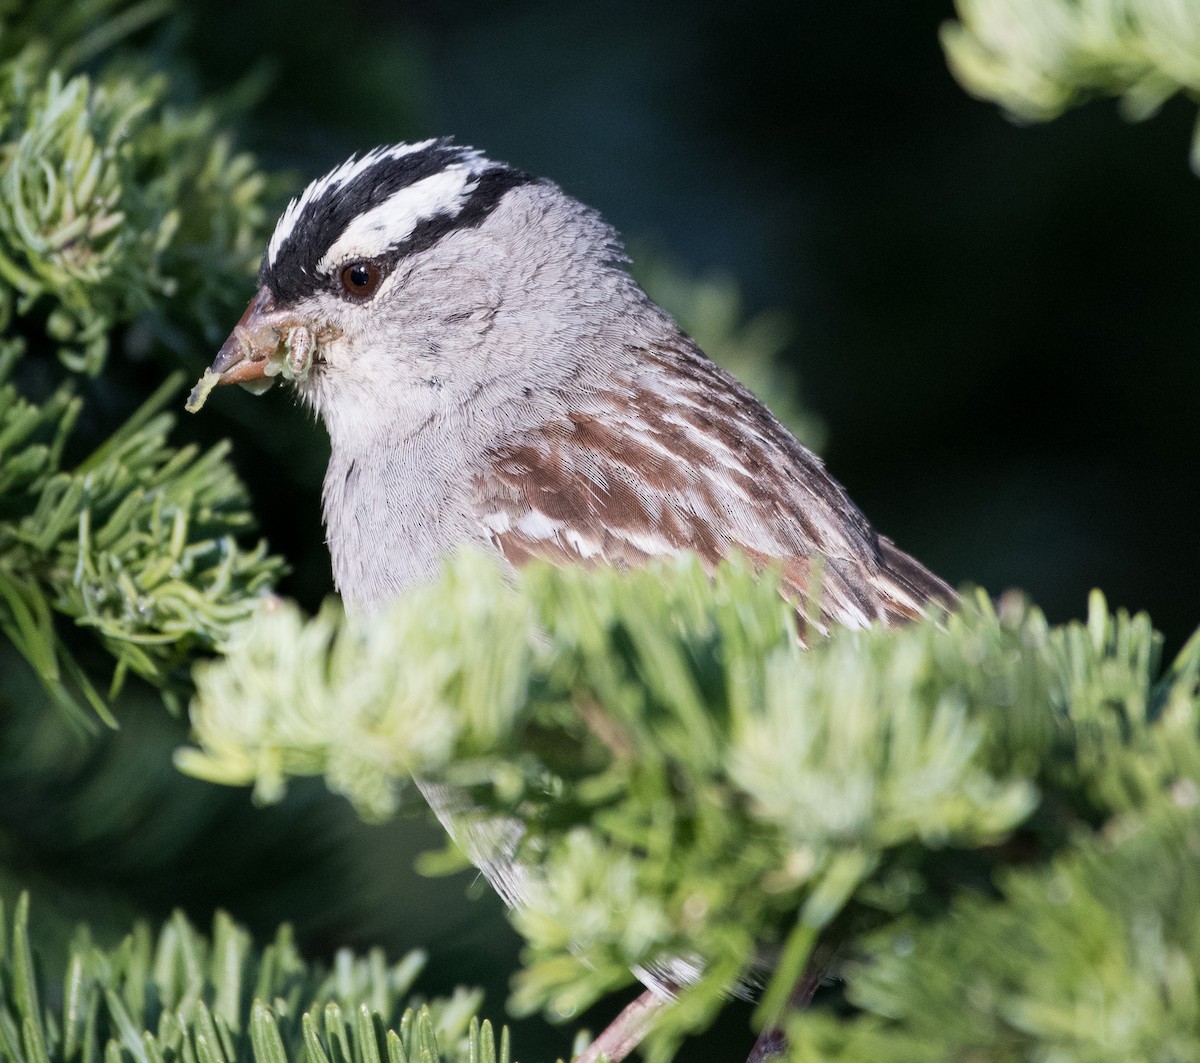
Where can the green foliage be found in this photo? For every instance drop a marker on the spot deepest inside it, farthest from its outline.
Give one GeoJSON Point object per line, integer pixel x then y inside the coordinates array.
{"type": "Point", "coordinates": [693, 783]}
{"type": "Point", "coordinates": [178, 996]}
{"type": "Point", "coordinates": [137, 543]}
{"type": "Point", "coordinates": [72, 33]}
{"type": "Point", "coordinates": [1096, 958]}
{"type": "Point", "coordinates": [1038, 57]}
{"type": "Point", "coordinates": [113, 200]}
{"type": "Point", "coordinates": [115, 205]}
{"type": "Point", "coordinates": [269, 705]}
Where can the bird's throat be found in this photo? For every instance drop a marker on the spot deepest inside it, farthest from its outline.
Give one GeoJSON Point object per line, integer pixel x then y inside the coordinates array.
{"type": "Point", "coordinates": [391, 515]}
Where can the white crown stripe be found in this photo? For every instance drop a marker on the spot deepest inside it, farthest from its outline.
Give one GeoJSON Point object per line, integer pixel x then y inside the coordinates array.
{"type": "Point", "coordinates": [342, 175]}
{"type": "Point", "coordinates": [394, 220]}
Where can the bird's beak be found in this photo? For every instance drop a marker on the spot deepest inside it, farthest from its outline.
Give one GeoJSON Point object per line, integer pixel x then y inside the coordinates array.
{"type": "Point", "coordinates": [244, 357]}
{"type": "Point", "coordinates": [263, 344]}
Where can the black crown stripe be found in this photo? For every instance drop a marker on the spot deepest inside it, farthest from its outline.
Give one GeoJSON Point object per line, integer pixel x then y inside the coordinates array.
{"type": "Point", "coordinates": [294, 276]}
{"type": "Point", "coordinates": [484, 199]}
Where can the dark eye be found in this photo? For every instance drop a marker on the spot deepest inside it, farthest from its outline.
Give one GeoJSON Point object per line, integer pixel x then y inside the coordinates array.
{"type": "Point", "coordinates": [360, 279]}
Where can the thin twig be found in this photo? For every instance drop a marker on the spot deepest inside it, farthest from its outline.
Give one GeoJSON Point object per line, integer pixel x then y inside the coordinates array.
{"type": "Point", "coordinates": [772, 1042]}
{"type": "Point", "coordinates": [625, 1032]}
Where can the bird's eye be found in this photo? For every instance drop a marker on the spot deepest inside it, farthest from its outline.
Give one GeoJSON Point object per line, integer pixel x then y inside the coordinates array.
{"type": "Point", "coordinates": [360, 279]}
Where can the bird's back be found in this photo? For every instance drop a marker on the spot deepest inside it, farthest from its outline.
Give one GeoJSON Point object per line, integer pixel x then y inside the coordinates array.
{"type": "Point", "coordinates": [674, 455]}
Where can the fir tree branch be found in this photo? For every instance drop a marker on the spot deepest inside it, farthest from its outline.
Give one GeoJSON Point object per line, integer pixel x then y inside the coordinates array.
{"type": "Point", "coordinates": [112, 202]}
{"type": "Point", "coordinates": [73, 33]}
{"type": "Point", "coordinates": [137, 543]}
{"type": "Point", "coordinates": [179, 996]}
{"type": "Point", "coordinates": [759, 792]}
{"type": "Point", "coordinates": [1036, 58]}
{"type": "Point", "coordinates": [1096, 957]}
{"type": "Point", "coordinates": [116, 207]}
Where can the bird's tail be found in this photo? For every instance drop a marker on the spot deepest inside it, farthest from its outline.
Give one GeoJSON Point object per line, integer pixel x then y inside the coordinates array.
{"type": "Point", "coordinates": [907, 586]}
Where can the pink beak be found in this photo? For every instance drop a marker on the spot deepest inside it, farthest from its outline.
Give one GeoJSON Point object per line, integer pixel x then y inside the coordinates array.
{"type": "Point", "coordinates": [243, 358]}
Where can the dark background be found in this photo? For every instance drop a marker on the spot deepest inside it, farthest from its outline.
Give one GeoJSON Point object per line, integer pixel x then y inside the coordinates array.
{"type": "Point", "coordinates": [997, 326]}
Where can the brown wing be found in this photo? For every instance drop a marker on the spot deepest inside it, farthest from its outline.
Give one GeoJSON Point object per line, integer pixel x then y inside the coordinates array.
{"type": "Point", "coordinates": [684, 458]}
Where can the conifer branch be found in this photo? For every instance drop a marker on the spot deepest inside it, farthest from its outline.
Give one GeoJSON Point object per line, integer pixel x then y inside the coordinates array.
{"type": "Point", "coordinates": [137, 543]}
{"type": "Point", "coordinates": [1094, 957]}
{"type": "Point", "coordinates": [774, 792]}
{"type": "Point", "coordinates": [176, 995]}
{"type": "Point", "coordinates": [116, 208]}
{"type": "Point", "coordinates": [114, 203]}
{"type": "Point", "coordinates": [1036, 58]}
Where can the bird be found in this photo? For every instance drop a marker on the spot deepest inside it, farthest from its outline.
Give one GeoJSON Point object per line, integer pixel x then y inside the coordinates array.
{"type": "Point", "coordinates": [491, 375]}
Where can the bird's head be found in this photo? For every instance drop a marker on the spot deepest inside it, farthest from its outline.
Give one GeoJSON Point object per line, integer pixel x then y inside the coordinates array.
{"type": "Point", "coordinates": [391, 286]}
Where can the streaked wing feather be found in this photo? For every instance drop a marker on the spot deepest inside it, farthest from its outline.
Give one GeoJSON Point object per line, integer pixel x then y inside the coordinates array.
{"type": "Point", "coordinates": [684, 458]}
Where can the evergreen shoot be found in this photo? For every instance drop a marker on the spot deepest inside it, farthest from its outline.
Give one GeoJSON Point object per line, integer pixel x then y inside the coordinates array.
{"type": "Point", "coordinates": [176, 995]}
{"type": "Point", "coordinates": [1036, 58]}
{"type": "Point", "coordinates": [121, 215]}
{"type": "Point", "coordinates": [695, 783]}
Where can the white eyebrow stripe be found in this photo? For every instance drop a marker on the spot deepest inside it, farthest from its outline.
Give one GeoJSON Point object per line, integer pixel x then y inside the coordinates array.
{"type": "Point", "coordinates": [342, 175]}
{"type": "Point", "coordinates": [394, 220]}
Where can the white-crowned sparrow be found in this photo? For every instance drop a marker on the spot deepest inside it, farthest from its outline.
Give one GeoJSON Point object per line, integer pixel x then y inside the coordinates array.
{"type": "Point", "coordinates": [489, 373]}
